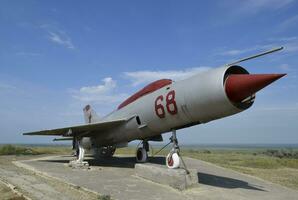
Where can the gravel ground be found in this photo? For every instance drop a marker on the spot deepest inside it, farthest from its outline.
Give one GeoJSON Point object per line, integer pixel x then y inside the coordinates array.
{"type": "Point", "coordinates": [8, 194]}
{"type": "Point", "coordinates": [34, 186]}
{"type": "Point", "coordinates": [49, 177]}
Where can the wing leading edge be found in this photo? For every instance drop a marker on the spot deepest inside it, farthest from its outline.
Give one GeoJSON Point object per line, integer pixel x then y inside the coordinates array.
{"type": "Point", "coordinates": [85, 129]}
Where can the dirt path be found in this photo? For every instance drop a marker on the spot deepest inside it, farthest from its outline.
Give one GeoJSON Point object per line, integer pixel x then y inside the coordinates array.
{"type": "Point", "coordinates": [35, 186]}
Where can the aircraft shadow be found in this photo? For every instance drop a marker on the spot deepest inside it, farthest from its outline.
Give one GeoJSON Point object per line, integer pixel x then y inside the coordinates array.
{"type": "Point", "coordinates": [224, 182]}
{"type": "Point", "coordinates": [120, 162]}
{"type": "Point", "coordinates": [126, 162]}
{"type": "Point", "coordinates": [129, 162]}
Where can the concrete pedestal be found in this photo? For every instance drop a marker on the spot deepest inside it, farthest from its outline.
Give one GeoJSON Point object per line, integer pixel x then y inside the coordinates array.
{"type": "Point", "coordinates": [78, 165]}
{"type": "Point", "coordinates": [176, 178]}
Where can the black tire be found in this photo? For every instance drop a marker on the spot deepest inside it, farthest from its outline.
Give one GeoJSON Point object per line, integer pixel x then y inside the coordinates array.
{"type": "Point", "coordinates": [104, 152]}
{"type": "Point", "coordinates": [141, 155]}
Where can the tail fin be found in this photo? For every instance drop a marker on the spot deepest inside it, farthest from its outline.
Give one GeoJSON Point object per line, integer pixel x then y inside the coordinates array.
{"type": "Point", "coordinates": [90, 115]}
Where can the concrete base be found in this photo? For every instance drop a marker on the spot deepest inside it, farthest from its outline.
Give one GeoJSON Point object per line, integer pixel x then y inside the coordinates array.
{"type": "Point", "coordinates": [117, 177]}
{"type": "Point", "coordinates": [176, 178]}
{"type": "Point", "coordinates": [78, 165]}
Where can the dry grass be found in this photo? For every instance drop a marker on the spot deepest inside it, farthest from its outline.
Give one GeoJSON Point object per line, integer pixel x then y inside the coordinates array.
{"type": "Point", "coordinates": [283, 171]}
{"type": "Point", "coordinates": [33, 150]}
{"type": "Point", "coordinates": [7, 193]}
{"type": "Point", "coordinates": [254, 162]}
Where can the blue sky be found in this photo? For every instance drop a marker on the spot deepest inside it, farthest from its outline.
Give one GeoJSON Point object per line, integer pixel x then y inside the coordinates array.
{"type": "Point", "coordinates": [57, 56]}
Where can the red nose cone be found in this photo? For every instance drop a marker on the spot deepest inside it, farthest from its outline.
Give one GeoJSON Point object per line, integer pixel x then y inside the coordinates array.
{"type": "Point", "coordinates": [240, 86]}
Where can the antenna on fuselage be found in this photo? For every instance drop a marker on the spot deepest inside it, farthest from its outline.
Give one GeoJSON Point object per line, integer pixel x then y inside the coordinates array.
{"type": "Point", "coordinates": [255, 56]}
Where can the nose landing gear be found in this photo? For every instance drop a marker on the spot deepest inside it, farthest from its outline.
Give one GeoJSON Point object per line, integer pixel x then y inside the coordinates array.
{"type": "Point", "coordinates": [173, 159]}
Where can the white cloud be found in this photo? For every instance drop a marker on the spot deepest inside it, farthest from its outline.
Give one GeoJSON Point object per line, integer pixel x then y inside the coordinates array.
{"type": "Point", "coordinates": [100, 94]}
{"type": "Point", "coordinates": [291, 47]}
{"type": "Point", "coordinates": [290, 44]}
{"type": "Point", "coordinates": [291, 22]}
{"type": "Point", "coordinates": [141, 77]}
{"type": "Point", "coordinates": [235, 52]}
{"type": "Point", "coordinates": [107, 93]}
{"type": "Point", "coordinates": [61, 38]}
{"type": "Point", "coordinates": [285, 67]}
{"type": "Point", "coordinates": [4, 86]}
{"type": "Point", "coordinates": [255, 6]}
{"type": "Point", "coordinates": [283, 39]}
{"type": "Point", "coordinates": [108, 85]}
{"type": "Point", "coordinates": [58, 35]}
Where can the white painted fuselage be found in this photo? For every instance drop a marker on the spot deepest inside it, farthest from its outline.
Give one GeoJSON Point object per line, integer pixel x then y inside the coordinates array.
{"type": "Point", "coordinates": [198, 99]}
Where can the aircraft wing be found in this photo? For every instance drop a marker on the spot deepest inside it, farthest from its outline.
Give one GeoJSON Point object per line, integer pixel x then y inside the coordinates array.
{"type": "Point", "coordinates": [81, 130]}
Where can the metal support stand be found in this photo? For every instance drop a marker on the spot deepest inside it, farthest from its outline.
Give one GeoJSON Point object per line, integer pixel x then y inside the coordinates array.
{"type": "Point", "coordinates": [176, 149]}
{"type": "Point", "coordinates": [174, 140]}
{"type": "Point", "coordinates": [81, 153]}
{"type": "Point", "coordinates": [79, 163]}
{"type": "Point", "coordinates": [146, 145]}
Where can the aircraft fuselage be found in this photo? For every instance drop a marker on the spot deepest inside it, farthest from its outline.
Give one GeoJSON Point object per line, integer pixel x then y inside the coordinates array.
{"type": "Point", "coordinates": [198, 99]}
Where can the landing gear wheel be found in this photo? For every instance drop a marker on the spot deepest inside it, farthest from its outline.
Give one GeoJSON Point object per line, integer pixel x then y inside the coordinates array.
{"type": "Point", "coordinates": [107, 152]}
{"type": "Point", "coordinates": [104, 152]}
{"type": "Point", "coordinates": [141, 155]}
{"type": "Point", "coordinates": [173, 160]}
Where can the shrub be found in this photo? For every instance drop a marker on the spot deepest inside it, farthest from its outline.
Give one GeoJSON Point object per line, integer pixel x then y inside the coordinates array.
{"type": "Point", "coordinates": [282, 153]}
{"type": "Point", "coordinates": [14, 150]}
{"type": "Point", "coordinates": [206, 151]}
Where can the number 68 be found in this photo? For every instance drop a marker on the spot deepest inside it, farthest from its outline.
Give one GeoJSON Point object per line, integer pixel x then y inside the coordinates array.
{"type": "Point", "coordinates": [170, 105]}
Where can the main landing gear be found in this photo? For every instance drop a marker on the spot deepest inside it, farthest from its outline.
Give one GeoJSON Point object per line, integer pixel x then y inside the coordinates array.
{"type": "Point", "coordinates": [104, 152]}
{"type": "Point", "coordinates": [173, 159]}
{"type": "Point", "coordinates": [80, 151]}
{"type": "Point", "coordinates": [142, 152]}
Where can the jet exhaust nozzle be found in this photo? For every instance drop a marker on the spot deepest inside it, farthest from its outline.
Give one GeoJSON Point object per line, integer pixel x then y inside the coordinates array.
{"type": "Point", "coordinates": [240, 86]}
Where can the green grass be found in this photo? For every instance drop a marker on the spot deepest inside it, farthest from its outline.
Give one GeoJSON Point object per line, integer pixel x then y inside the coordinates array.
{"type": "Point", "coordinates": [278, 166]}
{"type": "Point", "coordinates": [244, 158]}
{"type": "Point", "coordinates": [241, 157]}
{"type": "Point", "coordinates": [256, 162]}
{"type": "Point", "coordinates": [32, 150]}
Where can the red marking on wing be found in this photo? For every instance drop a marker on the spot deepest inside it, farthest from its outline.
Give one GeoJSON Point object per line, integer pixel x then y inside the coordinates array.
{"type": "Point", "coordinates": [146, 90]}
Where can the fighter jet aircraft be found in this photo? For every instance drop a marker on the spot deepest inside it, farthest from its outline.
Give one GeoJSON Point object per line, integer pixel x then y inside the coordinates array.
{"type": "Point", "coordinates": [166, 106]}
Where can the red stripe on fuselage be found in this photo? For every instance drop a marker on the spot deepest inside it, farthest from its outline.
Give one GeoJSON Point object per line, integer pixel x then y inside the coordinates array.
{"type": "Point", "coordinates": [146, 90]}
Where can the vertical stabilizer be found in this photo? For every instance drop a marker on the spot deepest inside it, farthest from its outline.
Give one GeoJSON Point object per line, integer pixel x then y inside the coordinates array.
{"type": "Point", "coordinates": [90, 115]}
